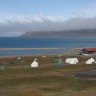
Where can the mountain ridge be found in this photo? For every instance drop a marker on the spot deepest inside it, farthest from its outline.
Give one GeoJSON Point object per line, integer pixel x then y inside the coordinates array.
{"type": "Point", "coordinates": [63, 33]}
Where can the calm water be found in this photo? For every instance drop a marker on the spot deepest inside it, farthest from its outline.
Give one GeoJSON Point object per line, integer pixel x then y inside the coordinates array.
{"type": "Point", "coordinates": [43, 43]}
{"type": "Point", "coordinates": [47, 42]}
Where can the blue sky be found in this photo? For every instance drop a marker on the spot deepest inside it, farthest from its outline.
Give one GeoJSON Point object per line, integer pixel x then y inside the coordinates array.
{"type": "Point", "coordinates": [19, 16]}
{"type": "Point", "coordinates": [46, 7]}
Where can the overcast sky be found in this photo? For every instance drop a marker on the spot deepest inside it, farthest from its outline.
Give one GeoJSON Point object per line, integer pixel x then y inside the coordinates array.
{"type": "Point", "coordinates": [19, 16]}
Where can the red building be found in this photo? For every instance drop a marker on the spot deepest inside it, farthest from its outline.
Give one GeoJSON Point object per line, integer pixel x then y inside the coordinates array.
{"type": "Point", "coordinates": [88, 51]}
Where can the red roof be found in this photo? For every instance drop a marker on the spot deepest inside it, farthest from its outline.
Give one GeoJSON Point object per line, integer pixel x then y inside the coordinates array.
{"type": "Point", "coordinates": [90, 49]}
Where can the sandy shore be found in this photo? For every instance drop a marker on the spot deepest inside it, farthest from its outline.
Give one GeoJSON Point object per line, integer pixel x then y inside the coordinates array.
{"type": "Point", "coordinates": [40, 48]}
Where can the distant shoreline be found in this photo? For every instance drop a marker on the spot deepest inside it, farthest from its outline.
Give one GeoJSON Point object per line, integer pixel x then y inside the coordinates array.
{"type": "Point", "coordinates": [1, 49]}
{"type": "Point", "coordinates": [36, 49]}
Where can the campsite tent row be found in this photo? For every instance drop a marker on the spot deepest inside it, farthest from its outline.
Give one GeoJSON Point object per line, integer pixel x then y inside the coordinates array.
{"type": "Point", "coordinates": [75, 61]}
{"type": "Point", "coordinates": [68, 61]}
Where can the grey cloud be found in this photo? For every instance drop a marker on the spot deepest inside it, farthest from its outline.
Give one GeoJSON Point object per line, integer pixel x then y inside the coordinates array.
{"type": "Point", "coordinates": [14, 26]}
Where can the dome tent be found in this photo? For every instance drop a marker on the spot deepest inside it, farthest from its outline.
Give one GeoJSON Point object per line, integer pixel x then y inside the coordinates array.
{"type": "Point", "coordinates": [3, 67]}
{"type": "Point", "coordinates": [35, 63]}
{"type": "Point", "coordinates": [59, 62]}
{"type": "Point", "coordinates": [90, 61]}
{"type": "Point", "coordinates": [71, 60]}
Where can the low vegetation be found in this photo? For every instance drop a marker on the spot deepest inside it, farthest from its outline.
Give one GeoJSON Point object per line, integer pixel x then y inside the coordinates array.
{"type": "Point", "coordinates": [47, 80]}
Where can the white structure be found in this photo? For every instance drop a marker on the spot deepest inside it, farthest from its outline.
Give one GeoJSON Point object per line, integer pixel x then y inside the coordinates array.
{"type": "Point", "coordinates": [34, 64]}
{"type": "Point", "coordinates": [18, 58]}
{"type": "Point", "coordinates": [90, 61]}
{"type": "Point", "coordinates": [71, 60]}
{"type": "Point", "coordinates": [35, 59]}
{"type": "Point", "coordinates": [43, 56]}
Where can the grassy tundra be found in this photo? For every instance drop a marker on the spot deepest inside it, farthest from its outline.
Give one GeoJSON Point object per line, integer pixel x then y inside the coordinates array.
{"type": "Point", "coordinates": [47, 80]}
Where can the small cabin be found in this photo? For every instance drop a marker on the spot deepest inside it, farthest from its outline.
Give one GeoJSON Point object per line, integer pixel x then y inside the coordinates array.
{"type": "Point", "coordinates": [88, 51]}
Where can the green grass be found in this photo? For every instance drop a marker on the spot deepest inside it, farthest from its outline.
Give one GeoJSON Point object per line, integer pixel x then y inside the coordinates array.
{"type": "Point", "coordinates": [47, 80]}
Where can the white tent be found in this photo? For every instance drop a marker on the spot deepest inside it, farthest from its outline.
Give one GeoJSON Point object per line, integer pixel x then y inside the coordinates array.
{"type": "Point", "coordinates": [34, 64]}
{"type": "Point", "coordinates": [43, 56]}
{"type": "Point", "coordinates": [90, 61]}
{"type": "Point", "coordinates": [71, 60]}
